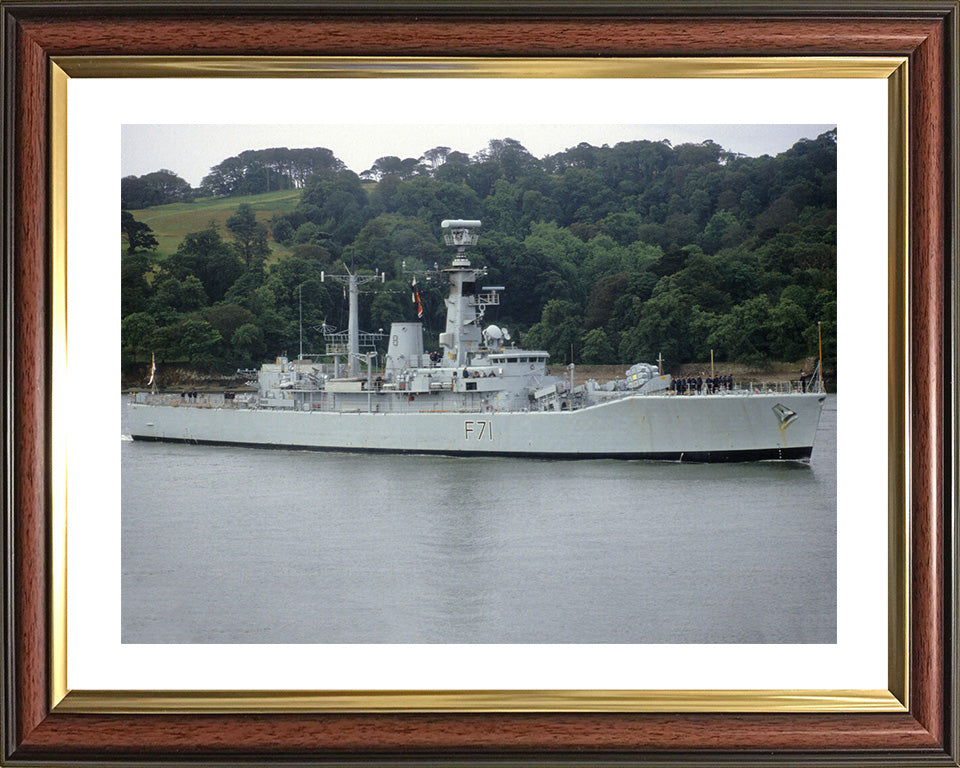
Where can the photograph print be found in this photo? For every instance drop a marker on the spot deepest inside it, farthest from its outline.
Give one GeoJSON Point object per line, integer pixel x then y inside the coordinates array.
{"type": "Point", "coordinates": [434, 384]}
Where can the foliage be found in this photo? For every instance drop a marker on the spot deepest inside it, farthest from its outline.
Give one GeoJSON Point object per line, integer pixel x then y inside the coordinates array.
{"type": "Point", "coordinates": [249, 235]}
{"type": "Point", "coordinates": [263, 170]}
{"type": "Point", "coordinates": [208, 257]}
{"type": "Point", "coordinates": [612, 254]}
{"type": "Point", "coordinates": [136, 332]}
{"type": "Point", "coordinates": [155, 188]}
{"type": "Point", "coordinates": [558, 332]}
{"type": "Point", "coordinates": [596, 347]}
{"type": "Point", "coordinates": [135, 288]}
{"type": "Point", "coordinates": [198, 340]}
{"type": "Point", "coordinates": [139, 235]}
{"type": "Point", "coordinates": [248, 343]}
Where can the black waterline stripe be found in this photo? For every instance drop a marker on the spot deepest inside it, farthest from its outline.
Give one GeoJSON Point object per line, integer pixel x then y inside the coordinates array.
{"type": "Point", "coordinates": [757, 454]}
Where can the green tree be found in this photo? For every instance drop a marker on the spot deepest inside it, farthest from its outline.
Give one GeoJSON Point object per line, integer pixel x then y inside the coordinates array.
{"type": "Point", "coordinates": [434, 158]}
{"type": "Point", "coordinates": [199, 341]}
{"type": "Point", "coordinates": [431, 201]}
{"type": "Point", "coordinates": [585, 196]}
{"type": "Point", "coordinates": [308, 232]}
{"type": "Point", "coordinates": [501, 208]}
{"type": "Point", "coordinates": [558, 332]}
{"type": "Point", "coordinates": [135, 291]}
{"type": "Point", "coordinates": [669, 324]}
{"type": "Point", "coordinates": [248, 343]}
{"type": "Point", "coordinates": [294, 284]}
{"type": "Point", "coordinates": [389, 240]}
{"type": "Point", "coordinates": [249, 235]}
{"type": "Point", "coordinates": [155, 188]}
{"type": "Point", "coordinates": [788, 322]}
{"type": "Point", "coordinates": [557, 253]}
{"type": "Point", "coordinates": [513, 159]}
{"type": "Point", "coordinates": [311, 251]}
{"type": "Point", "coordinates": [740, 275]}
{"type": "Point", "coordinates": [390, 306]}
{"type": "Point", "coordinates": [282, 230]}
{"type": "Point", "coordinates": [624, 228]}
{"type": "Point", "coordinates": [391, 165]}
{"type": "Point", "coordinates": [341, 201]}
{"type": "Point", "coordinates": [743, 334]}
{"type": "Point", "coordinates": [597, 349]}
{"type": "Point", "coordinates": [699, 279]}
{"type": "Point", "coordinates": [193, 296]}
{"type": "Point", "coordinates": [455, 168]}
{"type": "Point", "coordinates": [603, 298]}
{"type": "Point", "coordinates": [166, 342]}
{"type": "Point", "coordinates": [139, 235]}
{"type": "Point", "coordinates": [209, 258]}
{"type": "Point", "coordinates": [136, 332]}
{"type": "Point", "coordinates": [720, 230]}
{"type": "Point", "coordinates": [174, 297]}
{"type": "Point", "coordinates": [227, 318]}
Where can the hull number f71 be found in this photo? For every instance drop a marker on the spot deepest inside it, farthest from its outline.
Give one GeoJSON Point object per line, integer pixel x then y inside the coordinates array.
{"type": "Point", "coordinates": [478, 430]}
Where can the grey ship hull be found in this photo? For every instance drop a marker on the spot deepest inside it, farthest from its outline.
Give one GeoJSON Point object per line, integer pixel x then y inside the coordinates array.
{"type": "Point", "coordinates": [727, 427]}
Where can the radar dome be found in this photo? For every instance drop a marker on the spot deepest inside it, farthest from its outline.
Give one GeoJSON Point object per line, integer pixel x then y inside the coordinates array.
{"type": "Point", "coordinates": [492, 335]}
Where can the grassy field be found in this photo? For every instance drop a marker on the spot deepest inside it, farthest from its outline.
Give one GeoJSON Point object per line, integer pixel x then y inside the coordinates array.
{"type": "Point", "coordinates": [171, 223]}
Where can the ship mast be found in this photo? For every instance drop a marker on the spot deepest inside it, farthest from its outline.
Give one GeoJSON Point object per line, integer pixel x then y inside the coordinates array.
{"type": "Point", "coordinates": [465, 305]}
{"type": "Point", "coordinates": [461, 331]}
{"type": "Point", "coordinates": [353, 282]}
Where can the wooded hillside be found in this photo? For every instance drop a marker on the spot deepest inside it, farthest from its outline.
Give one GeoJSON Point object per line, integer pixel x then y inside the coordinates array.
{"type": "Point", "coordinates": [616, 253]}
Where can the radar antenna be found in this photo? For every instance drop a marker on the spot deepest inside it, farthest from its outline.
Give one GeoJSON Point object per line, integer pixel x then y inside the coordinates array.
{"type": "Point", "coordinates": [325, 328]}
{"type": "Point", "coordinates": [460, 235]}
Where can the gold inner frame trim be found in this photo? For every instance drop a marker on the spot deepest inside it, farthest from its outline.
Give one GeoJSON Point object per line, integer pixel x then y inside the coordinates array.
{"type": "Point", "coordinates": [728, 701]}
{"type": "Point", "coordinates": [58, 371]}
{"type": "Point", "coordinates": [898, 415]}
{"type": "Point", "coordinates": [893, 69]}
{"type": "Point", "coordinates": [425, 66]}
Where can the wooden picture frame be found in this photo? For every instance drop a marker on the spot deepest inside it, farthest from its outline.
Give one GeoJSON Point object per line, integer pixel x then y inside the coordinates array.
{"type": "Point", "coordinates": [38, 730]}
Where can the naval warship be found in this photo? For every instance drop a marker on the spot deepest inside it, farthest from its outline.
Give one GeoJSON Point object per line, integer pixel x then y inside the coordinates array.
{"type": "Point", "coordinates": [483, 395]}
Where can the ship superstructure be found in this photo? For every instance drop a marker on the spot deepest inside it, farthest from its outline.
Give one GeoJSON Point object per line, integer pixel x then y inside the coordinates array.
{"type": "Point", "coordinates": [482, 394]}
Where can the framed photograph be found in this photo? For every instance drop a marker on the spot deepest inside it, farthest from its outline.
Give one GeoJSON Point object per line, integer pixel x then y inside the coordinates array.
{"type": "Point", "coordinates": [162, 601]}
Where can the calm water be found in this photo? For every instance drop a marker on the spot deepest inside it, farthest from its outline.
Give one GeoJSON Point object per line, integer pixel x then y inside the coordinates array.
{"type": "Point", "coordinates": [224, 545]}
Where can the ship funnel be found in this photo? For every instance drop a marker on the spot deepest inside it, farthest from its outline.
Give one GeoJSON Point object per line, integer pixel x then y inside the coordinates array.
{"type": "Point", "coordinates": [405, 349]}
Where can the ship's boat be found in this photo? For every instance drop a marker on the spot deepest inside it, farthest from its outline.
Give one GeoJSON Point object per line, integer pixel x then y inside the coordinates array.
{"type": "Point", "coordinates": [483, 395]}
